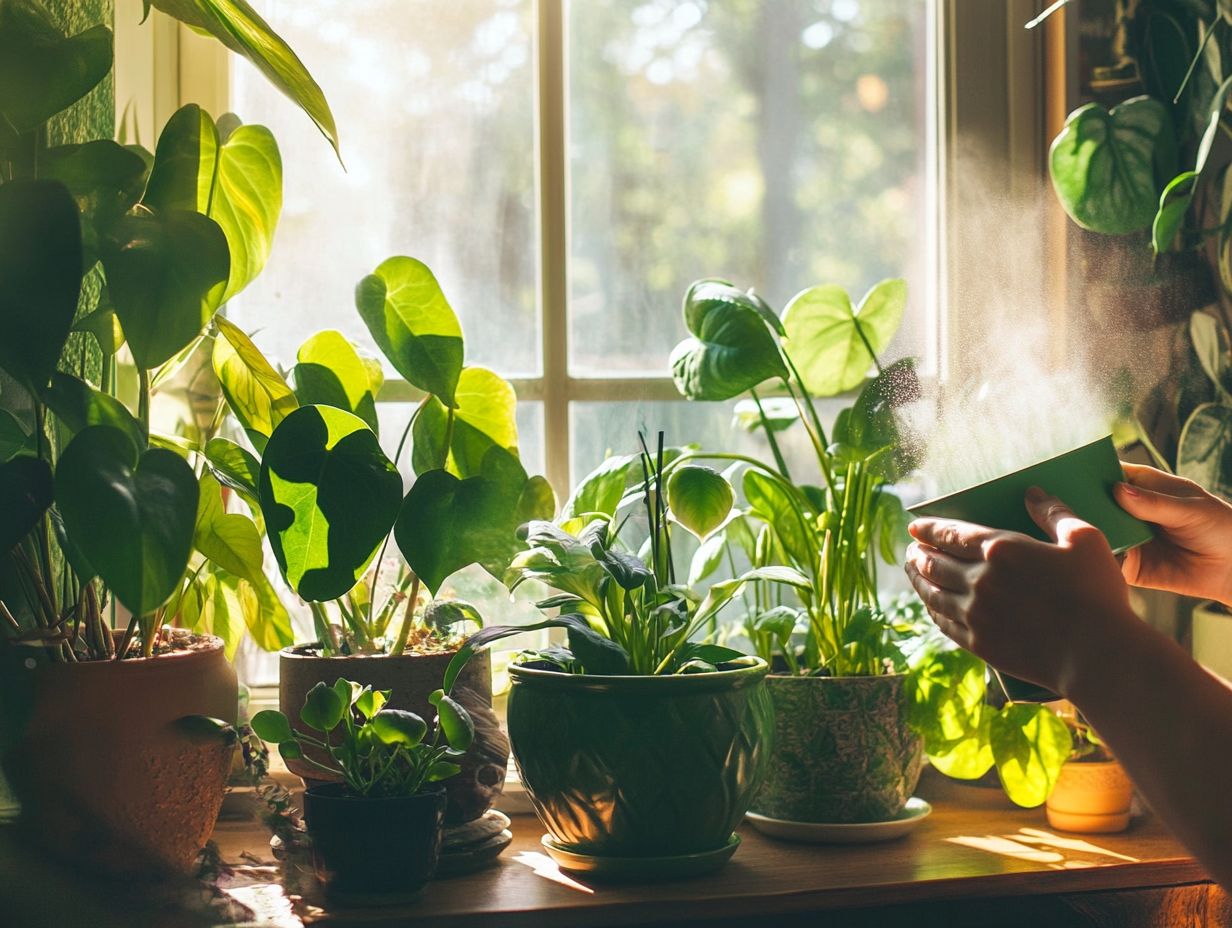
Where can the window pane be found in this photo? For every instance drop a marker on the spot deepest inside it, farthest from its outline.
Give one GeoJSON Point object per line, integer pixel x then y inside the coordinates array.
{"type": "Point", "coordinates": [777, 143]}
{"type": "Point", "coordinates": [435, 108]}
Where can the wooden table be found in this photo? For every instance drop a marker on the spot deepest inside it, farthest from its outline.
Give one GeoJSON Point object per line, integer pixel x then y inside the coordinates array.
{"type": "Point", "coordinates": [975, 861]}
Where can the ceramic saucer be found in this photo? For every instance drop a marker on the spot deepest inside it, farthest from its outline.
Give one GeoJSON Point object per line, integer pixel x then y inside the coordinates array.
{"type": "Point", "coordinates": [640, 868]}
{"type": "Point", "coordinates": [914, 812]}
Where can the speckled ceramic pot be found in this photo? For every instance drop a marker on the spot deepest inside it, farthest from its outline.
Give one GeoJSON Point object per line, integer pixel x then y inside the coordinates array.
{"type": "Point", "coordinates": [649, 766]}
{"type": "Point", "coordinates": [843, 751]}
{"type": "Point", "coordinates": [105, 775]}
{"type": "Point", "coordinates": [412, 678]}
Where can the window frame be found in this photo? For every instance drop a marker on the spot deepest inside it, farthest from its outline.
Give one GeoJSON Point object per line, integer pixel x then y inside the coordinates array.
{"type": "Point", "coordinates": [992, 80]}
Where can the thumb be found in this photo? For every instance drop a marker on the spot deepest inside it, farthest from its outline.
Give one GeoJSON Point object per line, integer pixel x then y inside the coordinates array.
{"type": "Point", "coordinates": [1059, 521]}
{"type": "Point", "coordinates": [1152, 506]}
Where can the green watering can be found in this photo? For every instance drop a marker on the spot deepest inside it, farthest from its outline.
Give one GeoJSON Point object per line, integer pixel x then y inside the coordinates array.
{"type": "Point", "coordinates": [1083, 478]}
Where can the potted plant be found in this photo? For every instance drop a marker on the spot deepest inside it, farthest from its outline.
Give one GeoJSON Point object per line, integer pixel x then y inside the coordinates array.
{"type": "Point", "coordinates": [640, 745]}
{"type": "Point", "coordinates": [311, 465]}
{"type": "Point", "coordinates": [857, 685]}
{"type": "Point", "coordinates": [115, 739]}
{"type": "Point", "coordinates": [1093, 793]}
{"type": "Point", "coordinates": [376, 834]}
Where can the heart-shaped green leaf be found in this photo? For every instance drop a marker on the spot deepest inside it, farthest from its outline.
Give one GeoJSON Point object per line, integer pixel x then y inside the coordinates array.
{"type": "Point", "coordinates": [323, 709]}
{"type": "Point", "coordinates": [1030, 745]}
{"type": "Point", "coordinates": [397, 726]}
{"type": "Point", "coordinates": [256, 393]}
{"type": "Point", "coordinates": [165, 276]}
{"type": "Point", "coordinates": [601, 490]}
{"type": "Point", "coordinates": [234, 178]}
{"type": "Point", "coordinates": [1108, 166]}
{"type": "Point", "coordinates": [732, 349]}
{"type": "Point", "coordinates": [1204, 454]}
{"type": "Point", "coordinates": [413, 324]}
{"type": "Point", "coordinates": [78, 405]}
{"type": "Point", "coordinates": [237, 26]}
{"type": "Point", "coordinates": [40, 277]}
{"type": "Point", "coordinates": [330, 496]}
{"type": "Point", "coordinates": [130, 515]}
{"type": "Point", "coordinates": [106, 180]}
{"type": "Point", "coordinates": [25, 494]}
{"type": "Point", "coordinates": [833, 344]}
{"type": "Point", "coordinates": [41, 71]}
{"type": "Point", "coordinates": [446, 523]}
{"type": "Point", "coordinates": [485, 418]}
{"type": "Point", "coordinates": [272, 726]}
{"type": "Point", "coordinates": [700, 499]}
{"type": "Point", "coordinates": [236, 467]}
{"type": "Point", "coordinates": [453, 720]}
{"type": "Point", "coordinates": [946, 694]}
{"type": "Point", "coordinates": [229, 539]}
{"type": "Point", "coordinates": [330, 372]}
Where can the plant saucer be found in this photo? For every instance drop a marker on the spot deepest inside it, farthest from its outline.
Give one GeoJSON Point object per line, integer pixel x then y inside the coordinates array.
{"type": "Point", "coordinates": [914, 812]}
{"type": "Point", "coordinates": [674, 867]}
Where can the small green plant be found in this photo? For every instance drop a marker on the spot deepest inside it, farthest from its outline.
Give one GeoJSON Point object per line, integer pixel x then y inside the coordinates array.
{"type": "Point", "coordinates": [378, 751]}
{"type": "Point", "coordinates": [625, 612]}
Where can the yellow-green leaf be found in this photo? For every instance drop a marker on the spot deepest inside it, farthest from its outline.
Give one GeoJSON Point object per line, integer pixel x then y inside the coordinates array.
{"type": "Point", "coordinates": [257, 394]}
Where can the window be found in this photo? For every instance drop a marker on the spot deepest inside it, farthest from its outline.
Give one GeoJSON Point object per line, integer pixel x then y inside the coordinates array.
{"type": "Point", "coordinates": [567, 169]}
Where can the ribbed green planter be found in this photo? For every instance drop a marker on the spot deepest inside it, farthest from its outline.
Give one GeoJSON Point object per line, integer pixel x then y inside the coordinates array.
{"type": "Point", "coordinates": [843, 751]}
{"type": "Point", "coordinates": [641, 766]}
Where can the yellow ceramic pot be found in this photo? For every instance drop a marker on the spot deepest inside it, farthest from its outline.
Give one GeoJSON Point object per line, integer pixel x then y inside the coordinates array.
{"type": "Point", "coordinates": [1091, 797]}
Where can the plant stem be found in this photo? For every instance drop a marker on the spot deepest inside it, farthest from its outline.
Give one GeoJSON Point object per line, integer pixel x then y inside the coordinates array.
{"type": "Point", "coordinates": [774, 444]}
{"type": "Point", "coordinates": [408, 618]}
{"type": "Point", "coordinates": [143, 398]}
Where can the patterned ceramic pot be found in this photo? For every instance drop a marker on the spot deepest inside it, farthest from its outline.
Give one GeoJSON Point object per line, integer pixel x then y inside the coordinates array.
{"type": "Point", "coordinates": [1091, 797]}
{"type": "Point", "coordinates": [843, 751]}
{"type": "Point", "coordinates": [641, 766]}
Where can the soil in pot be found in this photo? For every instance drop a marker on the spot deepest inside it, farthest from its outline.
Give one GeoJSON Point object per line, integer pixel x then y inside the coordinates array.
{"type": "Point", "coordinates": [843, 751]}
{"type": "Point", "coordinates": [105, 775]}
{"type": "Point", "coordinates": [412, 677]}
{"type": "Point", "coordinates": [373, 851]}
{"type": "Point", "coordinates": [635, 767]}
{"type": "Point", "coordinates": [1092, 797]}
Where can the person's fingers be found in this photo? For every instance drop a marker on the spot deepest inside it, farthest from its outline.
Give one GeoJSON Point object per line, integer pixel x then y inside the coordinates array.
{"type": "Point", "coordinates": [1168, 510]}
{"type": "Point", "coordinates": [1059, 521]}
{"type": "Point", "coordinates": [942, 569]}
{"type": "Point", "coordinates": [937, 601]}
{"type": "Point", "coordinates": [1151, 478]}
{"type": "Point", "coordinates": [961, 539]}
{"type": "Point", "coordinates": [1131, 566]}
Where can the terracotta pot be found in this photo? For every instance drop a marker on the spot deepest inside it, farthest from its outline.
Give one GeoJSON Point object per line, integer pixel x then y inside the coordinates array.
{"type": "Point", "coordinates": [104, 774]}
{"type": "Point", "coordinates": [1091, 797]}
{"type": "Point", "coordinates": [412, 678]}
{"type": "Point", "coordinates": [843, 751]}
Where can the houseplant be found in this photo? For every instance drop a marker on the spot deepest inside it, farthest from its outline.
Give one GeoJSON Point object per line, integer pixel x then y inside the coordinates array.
{"type": "Point", "coordinates": [376, 835]}
{"type": "Point", "coordinates": [860, 690]}
{"type": "Point", "coordinates": [640, 745]}
{"type": "Point", "coordinates": [310, 464]}
{"type": "Point", "coordinates": [99, 246]}
{"type": "Point", "coordinates": [1093, 793]}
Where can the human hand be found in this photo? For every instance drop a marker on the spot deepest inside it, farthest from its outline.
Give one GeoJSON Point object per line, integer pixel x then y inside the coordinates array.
{"type": "Point", "coordinates": [1043, 612]}
{"type": "Point", "coordinates": [1191, 553]}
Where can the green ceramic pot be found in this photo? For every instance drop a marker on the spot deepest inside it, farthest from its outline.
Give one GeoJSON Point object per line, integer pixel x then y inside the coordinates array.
{"type": "Point", "coordinates": [650, 766]}
{"type": "Point", "coordinates": [1083, 478]}
{"type": "Point", "coordinates": [843, 751]}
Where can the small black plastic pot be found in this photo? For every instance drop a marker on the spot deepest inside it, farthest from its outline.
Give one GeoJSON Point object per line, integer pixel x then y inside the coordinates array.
{"type": "Point", "coordinates": [374, 851]}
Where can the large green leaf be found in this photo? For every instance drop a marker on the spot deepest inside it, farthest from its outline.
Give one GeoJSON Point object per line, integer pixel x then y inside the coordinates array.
{"type": "Point", "coordinates": [165, 275]}
{"type": "Point", "coordinates": [330, 372]}
{"type": "Point", "coordinates": [447, 523]}
{"type": "Point", "coordinates": [78, 405]}
{"type": "Point", "coordinates": [413, 324]}
{"type": "Point", "coordinates": [229, 539]}
{"type": "Point", "coordinates": [40, 277]}
{"type": "Point", "coordinates": [1204, 454]}
{"type": "Point", "coordinates": [832, 343]}
{"type": "Point", "coordinates": [872, 425]}
{"type": "Point", "coordinates": [700, 499]}
{"type": "Point", "coordinates": [1030, 745]}
{"type": "Point", "coordinates": [41, 71]}
{"type": "Point", "coordinates": [235, 179]}
{"type": "Point", "coordinates": [485, 419]}
{"type": "Point", "coordinates": [774, 504]}
{"type": "Point", "coordinates": [211, 607]}
{"type": "Point", "coordinates": [236, 467]}
{"type": "Point", "coordinates": [330, 497]}
{"type": "Point", "coordinates": [733, 347]}
{"type": "Point", "coordinates": [257, 394]}
{"type": "Point", "coordinates": [1211, 345]}
{"type": "Point", "coordinates": [947, 707]}
{"type": "Point", "coordinates": [130, 515]}
{"type": "Point", "coordinates": [264, 615]}
{"type": "Point", "coordinates": [239, 28]}
{"type": "Point", "coordinates": [602, 489]}
{"type": "Point", "coordinates": [1108, 166]}
{"type": "Point", "coordinates": [25, 494]}
{"type": "Point", "coordinates": [106, 180]}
